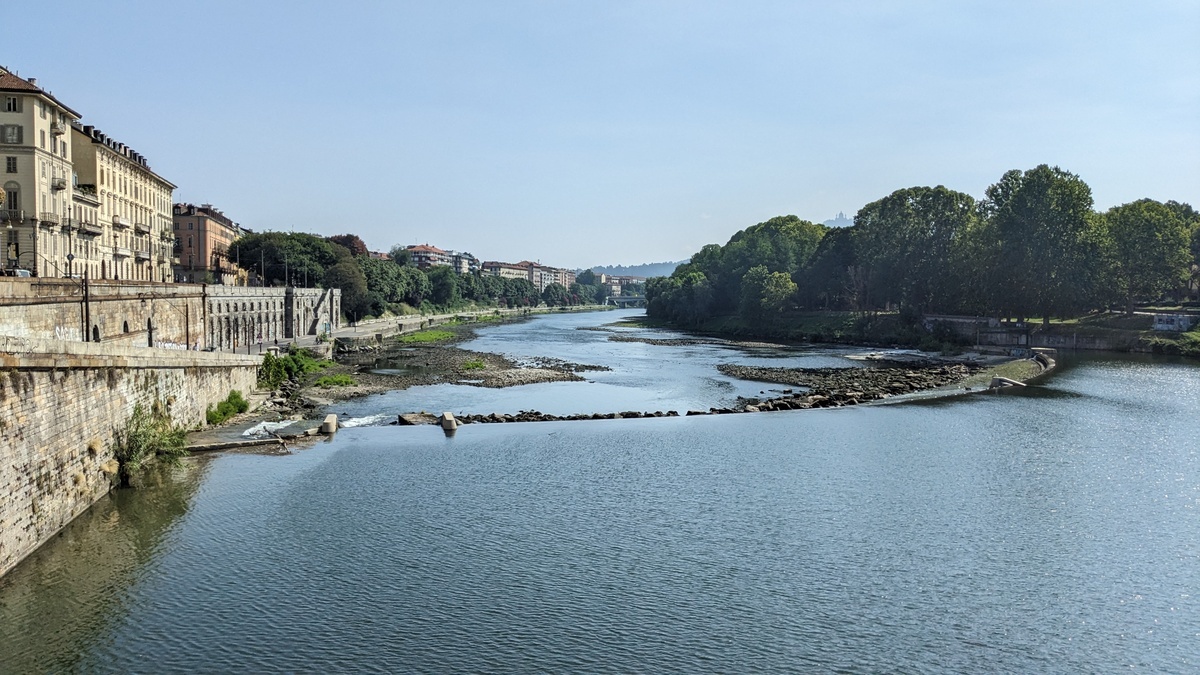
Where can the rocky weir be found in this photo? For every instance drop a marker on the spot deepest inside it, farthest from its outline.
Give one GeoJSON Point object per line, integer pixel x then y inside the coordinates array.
{"type": "Point", "coordinates": [823, 388]}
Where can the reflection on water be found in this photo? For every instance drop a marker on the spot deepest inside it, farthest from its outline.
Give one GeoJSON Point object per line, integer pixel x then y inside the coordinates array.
{"type": "Point", "coordinates": [71, 590]}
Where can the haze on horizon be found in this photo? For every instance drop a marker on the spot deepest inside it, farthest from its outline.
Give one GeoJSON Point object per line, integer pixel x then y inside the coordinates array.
{"type": "Point", "coordinates": [615, 132]}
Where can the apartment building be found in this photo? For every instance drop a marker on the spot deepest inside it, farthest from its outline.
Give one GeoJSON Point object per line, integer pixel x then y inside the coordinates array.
{"type": "Point", "coordinates": [37, 180]}
{"type": "Point", "coordinates": [134, 207]}
{"type": "Point", "coordinates": [203, 236]}
{"type": "Point", "coordinates": [505, 270]}
{"type": "Point", "coordinates": [425, 256]}
{"type": "Point", "coordinates": [74, 201]}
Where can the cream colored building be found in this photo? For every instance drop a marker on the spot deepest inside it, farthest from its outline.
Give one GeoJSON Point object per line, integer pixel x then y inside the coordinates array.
{"type": "Point", "coordinates": [76, 202]}
{"type": "Point", "coordinates": [36, 179]}
{"type": "Point", "coordinates": [134, 208]}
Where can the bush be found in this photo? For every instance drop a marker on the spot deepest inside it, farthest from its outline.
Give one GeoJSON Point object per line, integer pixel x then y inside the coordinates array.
{"type": "Point", "coordinates": [232, 405]}
{"type": "Point", "coordinates": [297, 362]}
{"type": "Point", "coordinates": [473, 365]}
{"type": "Point", "coordinates": [149, 434]}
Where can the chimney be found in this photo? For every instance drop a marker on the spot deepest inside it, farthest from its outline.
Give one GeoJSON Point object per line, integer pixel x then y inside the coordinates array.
{"type": "Point", "coordinates": [33, 81]}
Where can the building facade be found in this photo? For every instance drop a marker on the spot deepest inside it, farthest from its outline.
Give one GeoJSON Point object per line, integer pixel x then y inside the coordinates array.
{"type": "Point", "coordinates": [134, 208]}
{"type": "Point", "coordinates": [202, 241]}
{"type": "Point", "coordinates": [76, 203]}
{"type": "Point", "coordinates": [37, 178]}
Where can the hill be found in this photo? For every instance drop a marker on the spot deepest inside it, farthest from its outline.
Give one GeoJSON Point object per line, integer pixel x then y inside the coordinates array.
{"type": "Point", "coordinates": [661, 269]}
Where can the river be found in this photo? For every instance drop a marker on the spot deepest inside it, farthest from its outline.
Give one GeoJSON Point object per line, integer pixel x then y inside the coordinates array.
{"type": "Point", "coordinates": [1051, 529]}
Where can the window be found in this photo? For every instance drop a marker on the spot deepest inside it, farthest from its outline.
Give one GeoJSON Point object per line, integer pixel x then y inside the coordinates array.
{"type": "Point", "coordinates": [177, 226]}
{"type": "Point", "coordinates": [10, 164]}
{"type": "Point", "coordinates": [44, 107]}
{"type": "Point", "coordinates": [42, 142]}
{"type": "Point", "coordinates": [190, 227]}
{"type": "Point", "coordinates": [12, 196]}
{"type": "Point", "coordinates": [12, 104]}
{"type": "Point", "coordinates": [11, 134]}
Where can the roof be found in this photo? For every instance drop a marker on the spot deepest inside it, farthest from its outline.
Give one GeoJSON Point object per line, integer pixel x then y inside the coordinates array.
{"type": "Point", "coordinates": [15, 83]}
{"type": "Point", "coordinates": [426, 248]}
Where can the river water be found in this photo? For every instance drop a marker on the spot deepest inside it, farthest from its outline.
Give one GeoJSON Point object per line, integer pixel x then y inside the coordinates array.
{"type": "Point", "coordinates": [1052, 529]}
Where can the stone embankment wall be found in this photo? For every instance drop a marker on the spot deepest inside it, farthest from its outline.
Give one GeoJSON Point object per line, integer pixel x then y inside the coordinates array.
{"type": "Point", "coordinates": [61, 404]}
{"type": "Point", "coordinates": [172, 316]}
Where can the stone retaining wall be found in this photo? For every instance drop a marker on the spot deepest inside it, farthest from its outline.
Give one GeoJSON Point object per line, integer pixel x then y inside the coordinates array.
{"type": "Point", "coordinates": [60, 406]}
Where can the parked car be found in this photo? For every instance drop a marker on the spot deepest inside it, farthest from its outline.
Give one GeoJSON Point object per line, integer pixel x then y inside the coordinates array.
{"type": "Point", "coordinates": [15, 273]}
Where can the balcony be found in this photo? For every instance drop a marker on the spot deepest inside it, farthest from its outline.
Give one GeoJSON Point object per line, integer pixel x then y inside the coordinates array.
{"type": "Point", "coordinates": [58, 128]}
{"type": "Point", "coordinates": [69, 224]}
{"type": "Point", "coordinates": [12, 215]}
{"type": "Point", "coordinates": [162, 259]}
{"type": "Point", "coordinates": [141, 256]}
{"type": "Point", "coordinates": [120, 223]}
{"type": "Point", "coordinates": [141, 228]}
{"type": "Point", "coordinates": [90, 228]}
{"type": "Point", "coordinates": [58, 183]}
{"type": "Point", "coordinates": [47, 218]}
{"type": "Point", "coordinates": [121, 252]}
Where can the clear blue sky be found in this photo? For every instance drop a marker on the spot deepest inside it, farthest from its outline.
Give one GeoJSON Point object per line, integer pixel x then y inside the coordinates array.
{"type": "Point", "coordinates": [609, 132]}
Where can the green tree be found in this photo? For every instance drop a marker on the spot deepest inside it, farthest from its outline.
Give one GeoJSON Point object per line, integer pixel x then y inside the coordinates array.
{"type": "Point", "coordinates": [586, 278]}
{"type": "Point", "coordinates": [555, 295]}
{"type": "Point", "coordinates": [1149, 249]}
{"type": "Point", "coordinates": [443, 286]}
{"type": "Point", "coordinates": [400, 255]}
{"type": "Point", "coordinates": [347, 276]}
{"type": "Point", "coordinates": [908, 242]}
{"type": "Point", "coordinates": [764, 293]}
{"type": "Point", "coordinates": [1046, 243]}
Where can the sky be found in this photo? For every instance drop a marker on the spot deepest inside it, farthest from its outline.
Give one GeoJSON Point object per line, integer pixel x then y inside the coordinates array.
{"type": "Point", "coordinates": [581, 133]}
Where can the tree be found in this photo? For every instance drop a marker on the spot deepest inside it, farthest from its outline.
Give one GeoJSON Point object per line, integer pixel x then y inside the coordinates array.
{"type": "Point", "coordinates": [288, 257]}
{"type": "Point", "coordinates": [351, 242]}
{"type": "Point", "coordinates": [347, 276]}
{"type": "Point", "coordinates": [908, 242]}
{"type": "Point", "coordinates": [555, 295]}
{"type": "Point", "coordinates": [586, 278]}
{"type": "Point", "coordinates": [764, 293]}
{"type": "Point", "coordinates": [400, 255]}
{"type": "Point", "coordinates": [1149, 249]}
{"type": "Point", "coordinates": [443, 285]}
{"type": "Point", "coordinates": [1045, 243]}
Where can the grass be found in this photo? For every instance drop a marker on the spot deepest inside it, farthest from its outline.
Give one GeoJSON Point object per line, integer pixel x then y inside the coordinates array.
{"type": "Point", "coordinates": [473, 365]}
{"type": "Point", "coordinates": [340, 380]}
{"type": "Point", "coordinates": [426, 337]}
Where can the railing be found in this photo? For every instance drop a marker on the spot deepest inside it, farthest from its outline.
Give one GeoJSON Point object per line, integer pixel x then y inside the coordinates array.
{"type": "Point", "coordinates": [118, 221]}
{"type": "Point", "coordinates": [58, 128]}
{"type": "Point", "coordinates": [46, 217]}
{"type": "Point", "coordinates": [12, 215]}
{"type": "Point", "coordinates": [58, 183]}
{"type": "Point", "coordinates": [90, 228]}
{"type": "Point", "coordinates": [121, 251]}
{"type": "Point", "coordinates": [141, 255]}
{"type": "Point", "coordinates": [69, 224]}
{"type": "Point", "coordinates": [141, 228]}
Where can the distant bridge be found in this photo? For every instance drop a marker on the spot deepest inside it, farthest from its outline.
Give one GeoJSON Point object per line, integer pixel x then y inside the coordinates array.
{"type": "Point", "coordinates": [626, 300]}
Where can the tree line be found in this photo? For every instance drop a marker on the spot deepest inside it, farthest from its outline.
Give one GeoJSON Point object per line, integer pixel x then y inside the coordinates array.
{"type": "Point", "coordinates": [1032, 247]}
{"type": "Point", "coordinates": [373, 286]}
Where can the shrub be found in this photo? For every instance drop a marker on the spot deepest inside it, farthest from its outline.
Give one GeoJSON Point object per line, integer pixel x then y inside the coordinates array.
{"type": "Point", "coordinates": [232, 405]}
{"type": "Point", "coordinates": [473, 365]}
{"type": "Point", "coordinates": [148, 434]}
